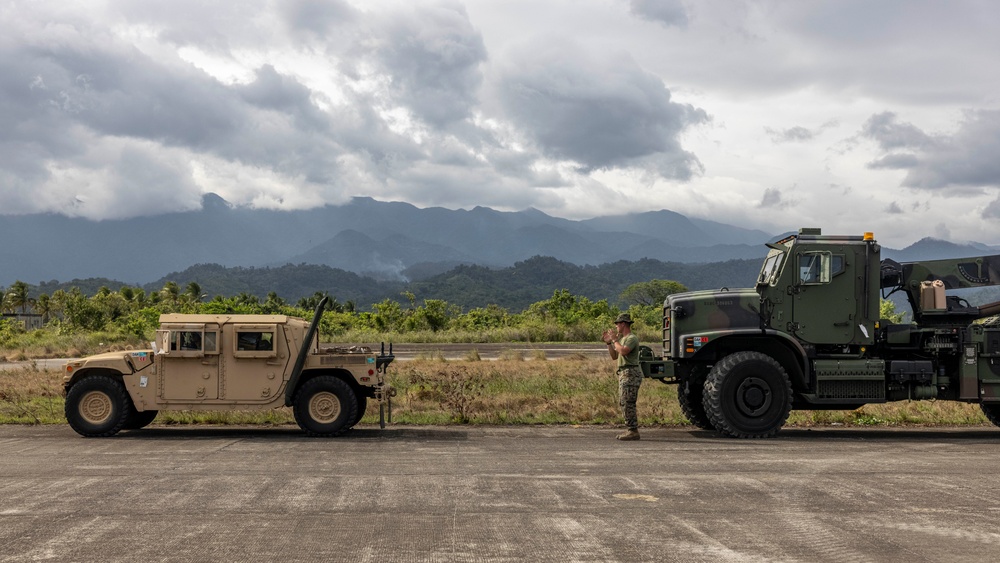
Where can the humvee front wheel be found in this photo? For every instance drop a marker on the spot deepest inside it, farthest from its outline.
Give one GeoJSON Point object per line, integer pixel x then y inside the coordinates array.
{"type": "Point", "coordinates": [748, 395]}
{"type": "Point", "coordinates": [690, 394]}
{"type": "Point", "coordinates": [992, 412]}
{"type": "Point", "coordinates": [137, 420]}
{"type": "Point", "coordinates": [325, 406]}
{"type": "Point", "coordinates": [97, 406]}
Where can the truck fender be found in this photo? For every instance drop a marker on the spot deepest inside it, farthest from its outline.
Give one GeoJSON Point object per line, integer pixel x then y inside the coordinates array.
{"type": "Point", "coordinates": [785, 349]}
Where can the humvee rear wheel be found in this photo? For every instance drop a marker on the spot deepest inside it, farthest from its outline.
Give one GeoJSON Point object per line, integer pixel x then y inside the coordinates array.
{"type": "Point", "coordinates": [992, 412]}
{"type": "Point", "coordinates": [690, 394]}
{"type": "Point", "coordinates": [748, 395]}
{"type": "Point", "coordinates": [325, 406]}
{"type": "Point", "coordinates": [97, 406]}
{"type": "Point", "coordinates": [362, 407]}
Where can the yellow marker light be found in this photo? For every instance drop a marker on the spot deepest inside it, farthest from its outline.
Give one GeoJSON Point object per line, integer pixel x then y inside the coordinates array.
{"type": "Point", "coordinates": [869, 236]}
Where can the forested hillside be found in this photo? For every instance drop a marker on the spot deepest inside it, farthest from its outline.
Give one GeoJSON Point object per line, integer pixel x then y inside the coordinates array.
{"type": "Point", "coordinates": [513, 288]}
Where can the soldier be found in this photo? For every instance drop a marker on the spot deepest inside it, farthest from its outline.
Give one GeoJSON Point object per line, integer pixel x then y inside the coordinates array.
{"type": "Point", "coordinates": [626, 350]}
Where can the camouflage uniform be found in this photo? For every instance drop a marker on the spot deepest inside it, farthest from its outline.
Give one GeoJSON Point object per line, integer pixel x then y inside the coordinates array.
{"type": "Point", "coordinates": [629, 379]}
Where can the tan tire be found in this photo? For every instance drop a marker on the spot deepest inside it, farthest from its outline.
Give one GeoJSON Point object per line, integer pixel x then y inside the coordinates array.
{"type": "Point", "coordinates": [98, 406]}
{"type": "Point", "coordinates": [325, 406]}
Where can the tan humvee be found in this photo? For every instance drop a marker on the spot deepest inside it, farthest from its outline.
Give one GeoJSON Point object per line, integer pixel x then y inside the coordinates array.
{"type": "Point", "coordinates": [228, 362]}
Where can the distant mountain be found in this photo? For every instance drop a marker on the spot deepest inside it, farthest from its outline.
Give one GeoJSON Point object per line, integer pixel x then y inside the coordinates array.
{"type": "Point", "coordinates": [384, 241]}
{"type": "Point", "coordinates": [381, 259]}
{"type": "Point", "coordinates": [936, 249]}
{"type": "Point", "coordinates": [467, 286]}
{"type": "Point", "coordinates": [363, 236]}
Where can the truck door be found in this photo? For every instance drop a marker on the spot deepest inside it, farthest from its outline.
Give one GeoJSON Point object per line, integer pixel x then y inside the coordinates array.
{"type": "Point", "coordinates": [259, 359]}
{"type": "Point", "coordinates": [189, 370]}
{"type": "Point", "coordinates": [825, 308]}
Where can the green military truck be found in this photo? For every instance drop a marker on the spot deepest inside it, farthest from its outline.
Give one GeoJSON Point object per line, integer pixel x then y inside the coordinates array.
{"type": "Point", "coordinates": [229, 362]}
{"type": "Point", "coordinates": [808, 336]}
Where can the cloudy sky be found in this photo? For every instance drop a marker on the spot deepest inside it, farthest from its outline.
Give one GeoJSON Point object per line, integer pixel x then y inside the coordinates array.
{"type": "Point", "coordinates": [850, 115]}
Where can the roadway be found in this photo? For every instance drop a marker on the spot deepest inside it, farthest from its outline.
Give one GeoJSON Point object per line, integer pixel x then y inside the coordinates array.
{"type": "Point", "coordinates": [460, 493]}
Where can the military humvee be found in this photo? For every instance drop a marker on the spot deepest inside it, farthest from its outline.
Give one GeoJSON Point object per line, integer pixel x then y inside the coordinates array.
{"type": "Point", "coordinates": [228, 362]}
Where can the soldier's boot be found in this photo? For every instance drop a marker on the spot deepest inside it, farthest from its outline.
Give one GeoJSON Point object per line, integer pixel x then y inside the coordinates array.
{"type": "Point", "coordinates": [630, 434]}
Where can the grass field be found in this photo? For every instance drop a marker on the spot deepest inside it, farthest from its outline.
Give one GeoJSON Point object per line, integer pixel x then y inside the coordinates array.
{"type": "Point", "coordinates": [514, 390]}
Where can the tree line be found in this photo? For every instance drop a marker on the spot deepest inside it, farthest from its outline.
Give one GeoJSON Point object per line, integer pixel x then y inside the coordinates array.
{"type": "Point", "coordinates": [134, 312]}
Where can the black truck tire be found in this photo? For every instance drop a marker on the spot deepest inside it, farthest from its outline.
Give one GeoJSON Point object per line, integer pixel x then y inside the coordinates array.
{"type": "Point", "coordinates": [98, 406]}
{"type": "Point", "coordinates": [137, 420]}
{"type": "Point", "coordinates": [992, 412]}
{"type": "Point", "coordinates": [690, 395]}
{"type": "Point", "coordinates": [748, 395]}
{"type": "Point", "coordinates": [362, 407]}
{"type": "Point", "coordinates": [325, 406]}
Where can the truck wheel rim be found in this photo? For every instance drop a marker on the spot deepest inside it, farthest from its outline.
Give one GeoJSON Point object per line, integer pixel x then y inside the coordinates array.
{"type": "Point", "coordinates": [324, 407]}
{"type": "Point", "coordinates": [753, 396]}
{"type": "Point", "coordinates": [95, 407]}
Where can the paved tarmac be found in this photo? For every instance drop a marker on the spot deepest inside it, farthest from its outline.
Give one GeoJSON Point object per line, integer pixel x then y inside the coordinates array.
{"type": "Point", "coordinates": [498, 494]}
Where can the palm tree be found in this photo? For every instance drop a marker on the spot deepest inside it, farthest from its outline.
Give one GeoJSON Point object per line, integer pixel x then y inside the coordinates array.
{"type": "Point", "coordinates": [273, 304]}
{"type": "Point", "coordinates": [17, 296]}
{"type": "Point", "coordinates": [193, 292]}
{"type": "Point", "coordinates": [43, 306]}
{"type": "Point", "coordinates": [171, 291]}
{"type": "Point", "coordinates": [127, 292]}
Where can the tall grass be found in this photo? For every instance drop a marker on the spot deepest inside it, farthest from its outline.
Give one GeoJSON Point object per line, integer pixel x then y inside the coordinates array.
{"type": "Point", "coordinates": [515, 390]}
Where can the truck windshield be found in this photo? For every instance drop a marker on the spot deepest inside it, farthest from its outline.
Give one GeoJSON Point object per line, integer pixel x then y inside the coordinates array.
{"type": "Point", "coordinates": [772, 267]}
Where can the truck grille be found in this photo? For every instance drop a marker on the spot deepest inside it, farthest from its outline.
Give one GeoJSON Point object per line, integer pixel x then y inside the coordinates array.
{"type": "Point", "coordinates": [848, 389]}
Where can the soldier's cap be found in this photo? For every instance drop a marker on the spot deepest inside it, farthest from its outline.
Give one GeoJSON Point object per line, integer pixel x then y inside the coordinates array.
{"type": "Point", "coordinates": [624, 318]}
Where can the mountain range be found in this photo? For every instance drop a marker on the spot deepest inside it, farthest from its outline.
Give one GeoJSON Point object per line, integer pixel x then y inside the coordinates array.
{"type": "Point", "coordinates": [364, 236]}
{"type": "Point", "coordinates": [386, 241]}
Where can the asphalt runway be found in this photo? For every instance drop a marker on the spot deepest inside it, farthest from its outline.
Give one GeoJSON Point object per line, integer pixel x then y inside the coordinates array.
{"type": "Point", "coordinates": [498, 494]}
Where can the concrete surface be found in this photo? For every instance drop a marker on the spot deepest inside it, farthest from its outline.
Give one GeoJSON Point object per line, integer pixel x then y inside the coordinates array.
{"type": "Point", "coordinates": [498, 494]}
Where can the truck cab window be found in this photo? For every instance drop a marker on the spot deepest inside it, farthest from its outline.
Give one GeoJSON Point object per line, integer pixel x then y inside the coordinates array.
{"type": "Point", "coordinates": [771, 269]}
{"type": "Point", "coordinates": [815, 268]}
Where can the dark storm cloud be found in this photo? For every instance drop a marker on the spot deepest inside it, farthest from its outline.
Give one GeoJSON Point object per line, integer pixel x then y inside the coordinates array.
{"type": "Point", "coordinates": [599, 111]}
{"type": "Point", "coordinates": [433, 56]}
{"type": "Point", "coordinates": [318, 17]}
{"type": "Point", "coordinates": [967, 158]}
{"type": "Point", "coordinates": [771, 199]}
{"type": "Point", "coordinates": [992, 210]}
{"type": "Point", "coordinates": [666, 12]}
{"type": "Point", "coordinates": [75, 97]}
{"type": "Point", "coordinates": [885, 129]}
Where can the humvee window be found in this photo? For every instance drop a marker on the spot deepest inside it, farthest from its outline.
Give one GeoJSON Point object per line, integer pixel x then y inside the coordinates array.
{"type": "Point", "coordinates": [814, 268]}
{"type": "Point", "coordinates": [211, 342]}
{"type": "Point", "coordinates": [254, 341]}
{"type": "Point", "coordinates": [189, 340]}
